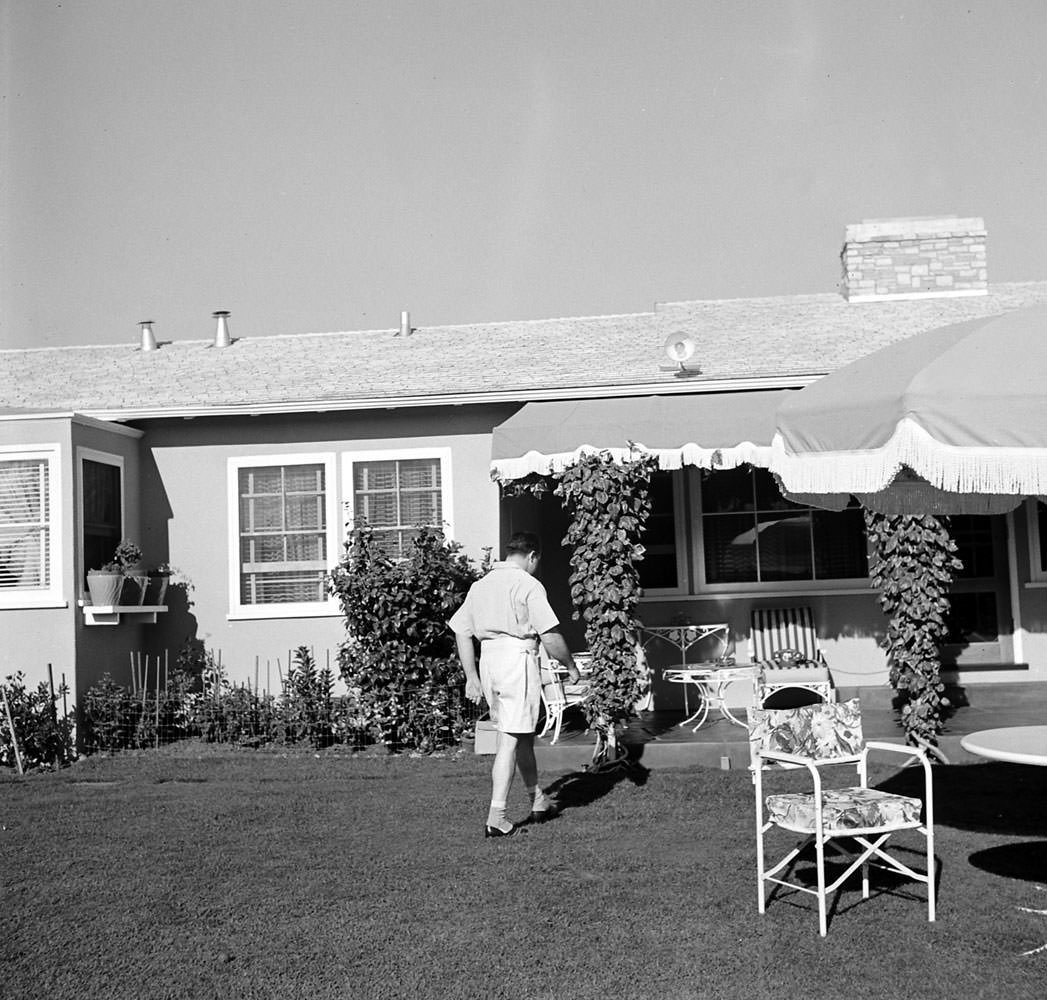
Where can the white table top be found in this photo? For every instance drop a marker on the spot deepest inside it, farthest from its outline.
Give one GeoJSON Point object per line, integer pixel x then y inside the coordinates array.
{"type": "Point", "coordinates": [1016, 744]}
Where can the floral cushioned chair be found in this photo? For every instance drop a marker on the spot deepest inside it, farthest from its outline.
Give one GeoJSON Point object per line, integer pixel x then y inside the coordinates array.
{"type": "Point", "coordinates": [855, 821]}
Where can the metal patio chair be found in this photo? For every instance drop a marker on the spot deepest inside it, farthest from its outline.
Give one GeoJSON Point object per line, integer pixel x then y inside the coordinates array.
{"type": "Point", "coordinates": [853, 822]}
{"type": "Point", "coordinates": [783, 645]}
{"type": "Point", "coordinates": [557, 696]}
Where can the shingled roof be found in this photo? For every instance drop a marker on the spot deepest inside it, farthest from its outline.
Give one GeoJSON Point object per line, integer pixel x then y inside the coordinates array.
{"type": "Point", "coordinates": [780, 341]}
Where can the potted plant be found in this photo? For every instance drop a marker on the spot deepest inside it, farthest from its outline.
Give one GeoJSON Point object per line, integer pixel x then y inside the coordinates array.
{"type": "Point", "coordinates": [158, 581]}
{"type": "Point", "coordinates": [106, 583]}
{"type": "Point", "coordinates": [136, 579]}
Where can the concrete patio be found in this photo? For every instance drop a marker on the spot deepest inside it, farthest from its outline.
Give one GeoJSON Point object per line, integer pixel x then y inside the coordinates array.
{"type": "Point", "coordinates": [657, 739]}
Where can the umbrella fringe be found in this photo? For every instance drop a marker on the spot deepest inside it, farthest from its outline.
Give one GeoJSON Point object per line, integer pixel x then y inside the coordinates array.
{"type": "Point", "coordinates": [1017, 472]}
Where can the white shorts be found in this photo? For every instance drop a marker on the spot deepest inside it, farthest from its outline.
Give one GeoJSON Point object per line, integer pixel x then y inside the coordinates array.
{"type": "Point", "coordinates": [511, 683]}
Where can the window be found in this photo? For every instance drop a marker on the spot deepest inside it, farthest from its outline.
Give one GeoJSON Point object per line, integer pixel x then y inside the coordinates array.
{"type": "Point", "coordinates": [30, 575]}
{"type": "Point", "coordinates": [286, 536]}
{"type": "Point", "coordinates": [1036, 514]}
{"type": "Point", "coordinates": [663, 544]}
{"type": "Point", "coordinates": [974, 614]}
{"type": "Point", "coordinates": [102, 510]}
{"type": "Point", "coordinates": [752, 534]}
{"type": "Point", "coordinates": [398, 492]}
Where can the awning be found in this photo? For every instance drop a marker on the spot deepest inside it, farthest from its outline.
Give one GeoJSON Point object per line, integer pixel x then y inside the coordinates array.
{"type": "Point", "coordinates": [711, 431]}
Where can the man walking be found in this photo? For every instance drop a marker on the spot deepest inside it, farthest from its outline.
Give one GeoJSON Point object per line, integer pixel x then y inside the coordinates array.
{"type": "Point", "coordinates": [508, 611]}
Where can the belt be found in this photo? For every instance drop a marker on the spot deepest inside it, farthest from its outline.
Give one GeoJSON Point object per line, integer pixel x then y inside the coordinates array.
{"type": "Point", "coordinates": [528, 645]}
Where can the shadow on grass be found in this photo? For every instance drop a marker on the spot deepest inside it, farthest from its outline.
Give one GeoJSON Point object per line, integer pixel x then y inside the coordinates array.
{"type": "Point", "coordinates": [582, 788]}
{"type": "Point", "coordinates": [1026, 861]}
{"type": "Point", "coordinates": [882, 881]}
{"type": "Point", "coordinates": [995, 798]}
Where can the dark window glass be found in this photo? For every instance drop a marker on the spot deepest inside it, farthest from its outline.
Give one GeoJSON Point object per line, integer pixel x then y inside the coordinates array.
{"type": "Point", "coordinates": [102, 512]}
{"type": "Point", "coordinates": [973, 537]}
{"type": "Point", "coordinates": [1041, 520]}
{"type": "Point", "coordinates": [659, 569]}
{"type": "Point", "coordinates": [752, 534]}
{"type": "Point", "coordinates": [972, 618]}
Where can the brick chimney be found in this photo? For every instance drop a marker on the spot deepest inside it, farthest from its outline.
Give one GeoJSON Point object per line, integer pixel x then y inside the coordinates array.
{"type": "Point", "coordinates": [914, 258]}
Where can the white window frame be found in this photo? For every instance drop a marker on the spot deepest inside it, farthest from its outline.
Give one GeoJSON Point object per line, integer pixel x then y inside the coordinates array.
{"type": "Point", "coordinates": [350, 458]}
{"type": "Point", "coordinates": [53, 596]}
{"type": "Point", "coordinates": [813, 587]}
{"type": "Point", "coordinates": [295, 609]}
{"type": "Point", "coordinates": [103, 458]}
{"type": "Point", "coordinates": [680, 491]}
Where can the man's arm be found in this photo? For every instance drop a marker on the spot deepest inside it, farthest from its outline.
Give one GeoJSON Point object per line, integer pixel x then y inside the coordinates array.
{"type": "Point", "coordinates": [467, 654]}
{"type": "Point", "coordinates": [556, 646]}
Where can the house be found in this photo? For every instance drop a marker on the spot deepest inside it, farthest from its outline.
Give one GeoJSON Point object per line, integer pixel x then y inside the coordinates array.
{"type": "Point", "coordinates": [240, 459]}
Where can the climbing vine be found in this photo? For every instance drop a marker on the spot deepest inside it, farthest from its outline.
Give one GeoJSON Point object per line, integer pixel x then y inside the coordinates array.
{"type": "Point", "coordinates": [609, 504]}
{"type": "Point", "coordinates": [913, 562]}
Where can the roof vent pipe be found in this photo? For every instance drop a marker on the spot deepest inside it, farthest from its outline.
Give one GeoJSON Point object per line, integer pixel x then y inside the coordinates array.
{"type": "Point", "coordinates": [148, 340]}
{"type": "Point", "coordinates": [221, 334]}
{"type": "Point", "coordinates": [405, 324]}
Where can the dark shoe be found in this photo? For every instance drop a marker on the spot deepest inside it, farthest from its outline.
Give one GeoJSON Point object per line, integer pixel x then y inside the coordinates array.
{"type": "Point", "coordinates": [543, 815]}
{"type": "Point", "coordinates": [494, 831]}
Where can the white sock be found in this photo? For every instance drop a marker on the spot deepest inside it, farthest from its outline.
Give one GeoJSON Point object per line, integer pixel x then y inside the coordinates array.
{"type": "Point", "coordinates": [496, 815]}
{"type": "Point", "coordinates": [540, 802]}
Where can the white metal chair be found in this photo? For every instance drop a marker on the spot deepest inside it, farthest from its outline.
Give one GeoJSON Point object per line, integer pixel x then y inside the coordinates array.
{"type": "Point", "coordinates": [854, 822]}
{"type": "Point", "coordinates": [557, 696]}
{"type": "Point", "coordinates": [783, 645]}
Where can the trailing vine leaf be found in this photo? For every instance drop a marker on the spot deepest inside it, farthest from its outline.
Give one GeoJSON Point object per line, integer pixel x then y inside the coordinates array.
{"type": "Point", "coordinates": [913, 562]}
{"type": "Point", "coordinates": [609, 504]}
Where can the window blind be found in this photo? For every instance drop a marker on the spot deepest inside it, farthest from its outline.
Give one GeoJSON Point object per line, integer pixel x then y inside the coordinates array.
{"type": "Point", "coordinates": [25, 529]}
{"type": "Point", "coordinates": [283, 534]}
{"type": "Point", "coordinates": [397, 496]}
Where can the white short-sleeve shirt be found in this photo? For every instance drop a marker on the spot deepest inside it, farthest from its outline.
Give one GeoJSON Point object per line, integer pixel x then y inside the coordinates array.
{"type": "Point", "coordinates": [508, 601]}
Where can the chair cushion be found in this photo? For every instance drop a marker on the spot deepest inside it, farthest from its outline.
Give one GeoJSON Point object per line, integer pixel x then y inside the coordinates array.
{"type": "Point", "coordinates": [844, 809]}
{"type": "Point", "coordinates": [814, 731]}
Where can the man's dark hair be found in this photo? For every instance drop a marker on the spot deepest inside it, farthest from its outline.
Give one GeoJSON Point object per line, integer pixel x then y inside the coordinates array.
{"type": "Point", "coordinates": [523, 542]}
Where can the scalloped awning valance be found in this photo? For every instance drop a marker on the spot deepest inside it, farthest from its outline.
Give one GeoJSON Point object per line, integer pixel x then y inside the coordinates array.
{"type": "Point", "coordinates": [708, 430]}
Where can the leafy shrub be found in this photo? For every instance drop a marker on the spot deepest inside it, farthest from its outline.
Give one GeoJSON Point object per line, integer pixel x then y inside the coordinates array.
{"type": "Point", "coordinates": [44, 739]}
{"type": "Point", "coordinates": [609, 504]}
{"type": "Point", "coordinates": [399, 656]}
{"type": "Point", "coordinates": [913, 561]}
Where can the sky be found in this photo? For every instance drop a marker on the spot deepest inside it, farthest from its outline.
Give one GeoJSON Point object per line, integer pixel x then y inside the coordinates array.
{"type": "Point", "coordinates": [323, 165]}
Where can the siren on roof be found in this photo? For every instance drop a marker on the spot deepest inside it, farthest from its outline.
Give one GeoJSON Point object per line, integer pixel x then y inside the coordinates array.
{"type": "Point", "coordinates": [680, 348]}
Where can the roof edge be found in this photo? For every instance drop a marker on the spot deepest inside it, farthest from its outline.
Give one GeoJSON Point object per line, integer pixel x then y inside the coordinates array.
{"type": "Point", "coordinates": [684, 386]}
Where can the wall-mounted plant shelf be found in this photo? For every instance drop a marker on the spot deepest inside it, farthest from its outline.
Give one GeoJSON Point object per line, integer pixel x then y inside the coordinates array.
{"type": "Point", "coordinates": [110, 614]}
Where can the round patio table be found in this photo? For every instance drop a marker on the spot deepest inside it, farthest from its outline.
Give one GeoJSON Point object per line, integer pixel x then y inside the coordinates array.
{"type": "Point", "coordinates": [1014, 744]}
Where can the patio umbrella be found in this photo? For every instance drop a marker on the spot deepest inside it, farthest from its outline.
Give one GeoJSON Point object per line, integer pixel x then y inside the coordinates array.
{"type": "Point", "coordinates": [952, 421]}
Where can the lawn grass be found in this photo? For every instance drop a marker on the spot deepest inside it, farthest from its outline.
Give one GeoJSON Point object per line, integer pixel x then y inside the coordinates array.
{"type": "Point", "coordinates": [196, 872]}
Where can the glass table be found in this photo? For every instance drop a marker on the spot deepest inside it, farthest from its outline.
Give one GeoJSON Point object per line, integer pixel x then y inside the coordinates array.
{"type": "Point", "coordinates": [710, 676]}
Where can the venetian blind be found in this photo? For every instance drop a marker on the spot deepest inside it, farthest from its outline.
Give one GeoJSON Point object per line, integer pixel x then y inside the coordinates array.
{"type": "Point", "coordinates": [397, 496]}
{"type": "Point", "coordinates": [283, 534]}
{"type": "Point", "coordinates": [25, 530]}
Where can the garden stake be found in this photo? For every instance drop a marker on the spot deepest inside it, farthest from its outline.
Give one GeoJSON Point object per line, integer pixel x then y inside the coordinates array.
{"type": "Point", "coordinates": [165, 671]}
{"type": "Point", "coordinates": [145, 683]}
{"type": "Point", "coordinates": [131, 654]}
{"type": "Point", "coordinates": [156, 742]}
{"type": "Point", "coordinates": [11, 726]}
{"type": "Point", "coordinates": [51, 685]}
